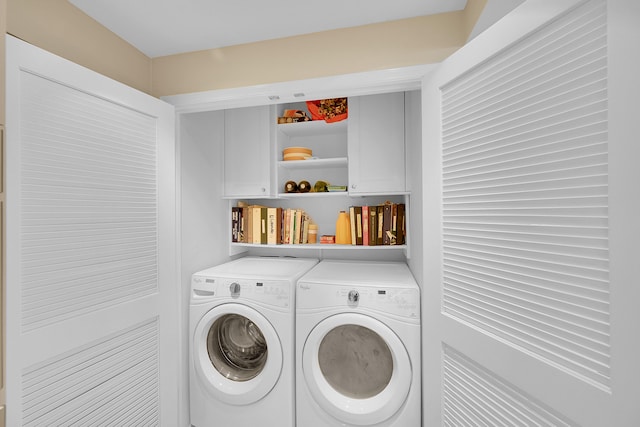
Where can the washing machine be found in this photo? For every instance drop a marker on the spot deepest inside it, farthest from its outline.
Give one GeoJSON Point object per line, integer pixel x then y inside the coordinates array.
{"type": "Point", "coordinates": [358, 345]}
{"type": "Point", "coordinates": [241, 346]}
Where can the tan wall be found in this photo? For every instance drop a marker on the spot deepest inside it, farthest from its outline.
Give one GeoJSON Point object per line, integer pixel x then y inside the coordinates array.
{"type": "Point", "coordinates": [392, 44]}
{"type": "Point", "coordinates": [3, 30]}
{"type": "Point", "coordinates": [61, 28]}
{"type": "Point", "coordinates": [401, 43]}
{"type": "Point", "coordinates": [471, 15]}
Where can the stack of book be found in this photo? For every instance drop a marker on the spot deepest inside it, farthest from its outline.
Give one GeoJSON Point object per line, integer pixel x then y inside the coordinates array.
{"type": "Point", "coordinates": [378, 225]}
{"type": "Point", "coordinates": [269, 226]}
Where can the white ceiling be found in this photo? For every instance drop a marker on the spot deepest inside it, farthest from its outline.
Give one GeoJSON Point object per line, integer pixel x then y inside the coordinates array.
{"type": "Point", "coordinates": [166, 27]}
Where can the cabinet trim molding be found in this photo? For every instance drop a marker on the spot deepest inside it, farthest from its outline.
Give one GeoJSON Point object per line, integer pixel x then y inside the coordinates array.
{"type": "Point", "coordinates": [355, 84]}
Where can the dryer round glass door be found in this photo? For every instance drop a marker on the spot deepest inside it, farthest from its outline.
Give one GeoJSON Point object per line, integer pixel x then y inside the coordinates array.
{"type": "Point", "coordinates": [356, 368]}
{"type": "Point", "coordinates": [237, 354]}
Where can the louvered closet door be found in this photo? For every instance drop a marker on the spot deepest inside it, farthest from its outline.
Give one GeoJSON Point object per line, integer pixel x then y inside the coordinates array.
{"type": "Point", "coordinates": [532, 209]}
{"type": "Point", "coordinates": [91, 284]}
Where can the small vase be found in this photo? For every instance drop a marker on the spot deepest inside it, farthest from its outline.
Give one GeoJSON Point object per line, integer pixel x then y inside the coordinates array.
{"type": "Point", "coordinates": [343, 229]}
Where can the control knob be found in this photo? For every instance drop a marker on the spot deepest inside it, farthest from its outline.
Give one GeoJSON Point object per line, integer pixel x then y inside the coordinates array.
{"type": "Point", "coordinates": [354, 297]}
{"type": "Point", "coordinates": [234, 288]}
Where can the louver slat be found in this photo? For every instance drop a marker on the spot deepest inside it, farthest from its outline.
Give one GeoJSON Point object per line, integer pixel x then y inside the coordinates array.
{"type": "Point", "coordinates": [525, 197]}
{"type": "Point", "coordinates": [113, 381]}
{"type": "Point", "coordinates": [474, 396]}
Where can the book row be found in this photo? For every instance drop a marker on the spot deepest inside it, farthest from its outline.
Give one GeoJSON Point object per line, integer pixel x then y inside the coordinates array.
{"type": "Point", "coordinates": [370, 225]}
{"type": "Point", "coordinates": [378, 224]}
{"type": "Point", "coordinates": [270, 226]}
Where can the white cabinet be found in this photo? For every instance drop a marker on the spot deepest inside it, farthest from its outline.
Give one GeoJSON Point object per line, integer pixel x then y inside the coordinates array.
{"type": "Point", "coordinates": [365, 153]}
{"type": "Point", "coordinates": [247, 152]}
{"type": "Point", "coordinates": [377, 144]}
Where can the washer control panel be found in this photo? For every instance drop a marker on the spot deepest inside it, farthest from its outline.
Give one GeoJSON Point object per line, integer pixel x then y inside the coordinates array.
{"type": "Point", "coordinates": [277, 294]}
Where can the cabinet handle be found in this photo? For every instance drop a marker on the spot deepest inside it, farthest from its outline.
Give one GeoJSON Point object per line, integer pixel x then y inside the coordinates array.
{"type": "Point", "coordinates": [263, 189]}
{"type": "Point", "coordinates": [353, 186]}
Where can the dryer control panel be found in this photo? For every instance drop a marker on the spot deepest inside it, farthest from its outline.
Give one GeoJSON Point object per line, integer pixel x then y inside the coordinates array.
{"type": "Point", "coordinates": [398, 301]}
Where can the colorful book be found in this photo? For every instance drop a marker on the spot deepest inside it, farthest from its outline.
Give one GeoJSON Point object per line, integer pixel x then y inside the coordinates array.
{"type": "Point", "coordinates": [297, 226]}
{"type": "Point", "coordinates": [365, 225]}
{"type": "Point", "coordinates": [373, 225]}
{"type": "Point", "coordinates": [306, 219]}
{"type": "Point", "coordinates": [358, 212]}
{"type": "Point", "coordinates": [244, 216]}
{"type": "Point", "coordinates": [401, 233]}
{"type": "Point", "coordinates": [280, 227]}
{"type": "Point", "coordinates": [286, 225]}
{"type": "Point", "coordinates": [352, 223]}
{"type": "Point", "coordinates": [394, 224]}
{"type": "Point", "coordinates": [292, 227]}
{"type": "Point", "coordinates": [380, 234]}
{"type": "Point", "coordinates": [249, 224]}
{"type": "Point", "coordinates": [256, 221]}
{"type": "Point", "coordinates": [235, 223]}
{"type": "Point", "coordinates": [386, 223]}
{"type": "Point", "coordinates": [274, 225]}
{"type": "Point", "coordinates": [262, 224]}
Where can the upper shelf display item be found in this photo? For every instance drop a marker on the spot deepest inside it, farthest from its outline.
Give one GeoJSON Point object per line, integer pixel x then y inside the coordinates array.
{"type": "Point", "coordinates": [296, 153]}
{"type": "Point", "coordinates": [293, 116]}
{"type": "Point", "coordinates": [330, 110]}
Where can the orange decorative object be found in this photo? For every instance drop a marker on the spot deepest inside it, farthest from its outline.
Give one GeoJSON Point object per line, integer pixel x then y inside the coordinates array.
{"type": "Point", "coordinates": [327, 239]}
{"type": "Point", "coordinates": [329, 110]}
{"type": "Point", "coordinates": [343, 229]}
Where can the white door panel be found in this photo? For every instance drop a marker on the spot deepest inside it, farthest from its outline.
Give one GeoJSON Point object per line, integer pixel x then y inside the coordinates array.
{"type": "Point", "coordinates": [91, 274]}
{"type": "Point", "coordinates": [529, 270]}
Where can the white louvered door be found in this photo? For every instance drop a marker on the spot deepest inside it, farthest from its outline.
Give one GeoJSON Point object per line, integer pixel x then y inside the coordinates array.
{"type": "Point", "coordinates": [531, 229]}
{"type": "Point", "coordinates": [91, 277]}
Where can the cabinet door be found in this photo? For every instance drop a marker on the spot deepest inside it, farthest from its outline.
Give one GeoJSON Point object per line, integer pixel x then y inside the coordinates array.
{"type": "Point", "coordinates": [530, 316]}
{"type": "Point", "coordinates": [247, 152]}
{"type": "Point", "coordinates": [93, 320]}
{"type": "Point", "coordinates": [376, 144]}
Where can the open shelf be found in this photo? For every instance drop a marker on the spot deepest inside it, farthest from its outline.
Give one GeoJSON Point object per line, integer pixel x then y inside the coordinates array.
{"type": "Point", "coordinates": [316, 246]}
{"type": "Point", "coordinates": [336, 162]}
{"type": "Point", "coordinates": [313, 127]}
{"type": "Point", "coordinates": [313, 195]}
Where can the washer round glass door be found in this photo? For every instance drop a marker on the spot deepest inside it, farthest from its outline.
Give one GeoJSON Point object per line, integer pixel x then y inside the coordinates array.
{"type": "Point", "coordinates": [237, 354]}
{"type": "Point", "coordinates": [356, 368]}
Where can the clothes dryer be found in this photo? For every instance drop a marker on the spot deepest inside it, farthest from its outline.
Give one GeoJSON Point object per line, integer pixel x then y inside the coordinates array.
{"type": "Point", "coordinates": [242, 342]}
{"type": "Point", "coordinates": [358, 346]}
